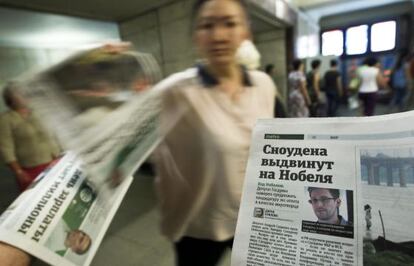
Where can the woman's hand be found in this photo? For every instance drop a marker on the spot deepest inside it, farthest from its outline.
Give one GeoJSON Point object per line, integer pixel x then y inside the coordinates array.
{"type": "Point", "coordinates": [11, 256]}
{"type": "Point", "coordinates": [22, 176]}
{"type": "Point", "coordinates": [115, 48]}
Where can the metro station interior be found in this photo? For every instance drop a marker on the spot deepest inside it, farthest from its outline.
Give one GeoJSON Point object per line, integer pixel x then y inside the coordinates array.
{"type": "Point", "coordinates": [38, 34]}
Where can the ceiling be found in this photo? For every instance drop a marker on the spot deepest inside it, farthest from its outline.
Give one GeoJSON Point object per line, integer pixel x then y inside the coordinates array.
{"type": "Point", "coordinates": [321, 8]}
{"type": "Point", "coordinates": [125, 9]}
{"type": "Point", "coordinates": [98, 12]}
{"type": "Point", "coordinates": [95, 9]}
{"type": "Point", "coordinates": [67, 23]}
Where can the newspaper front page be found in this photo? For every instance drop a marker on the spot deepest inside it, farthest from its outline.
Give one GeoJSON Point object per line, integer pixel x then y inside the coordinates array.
{"type": "Point", "coordinates": [334, 191]}
{"type": "Point", "coordinates": [61, 218]}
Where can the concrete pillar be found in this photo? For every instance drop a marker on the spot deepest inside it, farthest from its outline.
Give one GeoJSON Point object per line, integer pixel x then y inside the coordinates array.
{"type": "Point", "coordinates": [390, 179]}
{"type": "Point", "coordinates": [376, 174]}
{"type": "Point", "coordinates": [370, 167]}
{"type": "Point", "coordinates": [401, 174]}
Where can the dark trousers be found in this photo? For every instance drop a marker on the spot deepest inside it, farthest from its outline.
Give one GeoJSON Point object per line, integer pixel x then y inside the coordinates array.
{"type": "Point", "coordinates": [333, 103]}
{"type": "Point", "coordinates": [369, 100]}
{"type": "Point", "coordinates": [200, 252]}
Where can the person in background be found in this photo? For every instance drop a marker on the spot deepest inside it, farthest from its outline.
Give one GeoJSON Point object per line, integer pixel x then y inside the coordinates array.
{"type": "Point", "coordinates": [25, 146]}
{"type": "Point", "coordinates": [313, 81]}
{"type": "Point", "coordinates": [280, 109]}
{"type": "Point", "coordinates": [410, 75]}
{"type": "Point", "coordinates": [270, 69]}
{"type": "Point", "coordinates": [371, 78]}
{"type": "Point", "coordinates": [333, 87]}
{"type": "Point", "coordinates": [299, 99]}
{"type": "Point", "coordinates": [399, 83]}
{"type": "Point", "coordinates": [200, 194]}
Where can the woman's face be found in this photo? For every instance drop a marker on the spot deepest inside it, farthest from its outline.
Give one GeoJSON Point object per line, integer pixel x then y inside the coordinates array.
{"type": "Point", "coordinates": [17, 101]}
{"type": "Point", "coordinates": [221, 26]}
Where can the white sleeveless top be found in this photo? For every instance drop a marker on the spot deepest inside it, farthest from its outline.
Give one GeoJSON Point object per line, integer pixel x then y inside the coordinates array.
{"type": "Point", "coordinates": [368, 76]}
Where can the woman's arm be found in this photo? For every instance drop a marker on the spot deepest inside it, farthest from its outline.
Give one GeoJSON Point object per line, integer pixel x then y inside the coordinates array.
{"type": "Point", "coordinates": [339, 85]}
{"type": "Point", "coordinates": [316, 83]}
{"type": "Point", "coordinates": [7, 149]}
{"type": "Point", "coordinates": [305, 92]}
{"type": "Point", "coordinates": [381, 79]}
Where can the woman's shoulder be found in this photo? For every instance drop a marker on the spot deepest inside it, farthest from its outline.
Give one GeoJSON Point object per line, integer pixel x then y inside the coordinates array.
{"type": "Point", "coordinates": [178, 79]}
{"type": "Point", "coordinates": [7, 115]}
{"type": "Point", "coordinates": [262, 80]}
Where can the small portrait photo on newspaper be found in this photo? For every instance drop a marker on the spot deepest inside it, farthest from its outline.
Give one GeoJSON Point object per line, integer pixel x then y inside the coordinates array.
{"type": "Point", "coordinates": [329, 211]}
{"type": "Point", "coordinates": [258, 212]}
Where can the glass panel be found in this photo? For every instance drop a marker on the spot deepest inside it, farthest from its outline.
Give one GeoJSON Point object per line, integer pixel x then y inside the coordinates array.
{"type": "Point", "coordinates": [356, 40]}
{"type": "Point", "coordinates": [383, 36]}
{"type": "Point", "coordinates": [332, 42]}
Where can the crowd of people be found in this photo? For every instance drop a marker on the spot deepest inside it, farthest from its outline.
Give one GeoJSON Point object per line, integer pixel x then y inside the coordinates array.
{"type": "Point", "coordinates": [312, 94]}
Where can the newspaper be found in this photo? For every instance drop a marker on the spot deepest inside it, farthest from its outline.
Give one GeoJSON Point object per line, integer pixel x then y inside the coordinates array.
{"type": "Point", "coordinates": [101, 105]}
{"type": "Point", "coordinates": [60, 218]}
{"type": "Point", "coordinates": [334, 191]}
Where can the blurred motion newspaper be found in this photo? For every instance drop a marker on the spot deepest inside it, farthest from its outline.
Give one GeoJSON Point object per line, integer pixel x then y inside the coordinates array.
{"type": "Point", "coordinates": [60, 218]}
{"type": "Point", "coordinates": [100, 104]}
{"type": "Point", "coordinates": [328, 191]}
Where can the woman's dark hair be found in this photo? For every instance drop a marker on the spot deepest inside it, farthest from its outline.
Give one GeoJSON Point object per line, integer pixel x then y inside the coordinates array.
{"type": "Point", "coordinates": [315, 63]}
{"type": "Point", "coordinates": [8, 94]}
{"type": "Point", "coordinates": [334, 192]}
{"type": "Point", "coordinates": [199, 3]}
{"type": "Point", "coordinates": [269, 68]}
{"type": "Point", "coordinates": [333, 63]}
{"type": "Point", "coordinates": [296, 64]}
{"type": "Point", "coordinates": [371, 61]}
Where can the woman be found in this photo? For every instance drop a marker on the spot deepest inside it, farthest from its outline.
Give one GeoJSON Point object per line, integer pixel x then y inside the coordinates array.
{"type": "Point", "coordinates": [299, 99]}
{"type": "Point", "coordinates": [399, 83]}
{"type": "Point", "coordinates": [201, 162]}
{"type": "Point", "coordinates": [24, 145]}
{"type": "Point", "coordinates": [313, 80]}
{"type": "Point", "coordinates": [371, 77]}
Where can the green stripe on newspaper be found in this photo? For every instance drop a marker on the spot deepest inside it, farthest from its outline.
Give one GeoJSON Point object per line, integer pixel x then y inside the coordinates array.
{"type": "Point", "coordinates": [284, 136]}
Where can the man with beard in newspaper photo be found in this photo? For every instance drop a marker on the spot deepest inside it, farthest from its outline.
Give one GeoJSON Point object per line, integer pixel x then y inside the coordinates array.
{"type": "Point", "coordinates": [325, 203]}
{"type": "Point", "coordinates": [78, 241]}
{"type": "Point", "coordinates": [63, 239]}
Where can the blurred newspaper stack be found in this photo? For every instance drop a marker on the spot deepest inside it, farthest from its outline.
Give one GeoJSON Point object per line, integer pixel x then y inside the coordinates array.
{"type": "Point", "coordinates": [100, 105]}
{"type": "Point", "coordinates": [328, 192]}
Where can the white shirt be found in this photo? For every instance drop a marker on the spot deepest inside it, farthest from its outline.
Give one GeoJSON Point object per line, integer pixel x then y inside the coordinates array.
{"type": "Point", "coordinates": [368, 76]}
{"type": "Point", "coordinates": [201, 164]}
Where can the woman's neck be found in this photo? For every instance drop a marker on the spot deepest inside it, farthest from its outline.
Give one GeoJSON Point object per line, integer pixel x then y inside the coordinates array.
{"type": "Point", "coordinates": [229, 78]}
{"type": "Point", "coordinates": [22, 111]}
{"type": "Point", "coordinates": [229, 72]}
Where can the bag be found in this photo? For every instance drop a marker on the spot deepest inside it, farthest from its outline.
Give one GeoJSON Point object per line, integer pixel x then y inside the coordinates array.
{"type": "Point", "coordinates": [354, 84]}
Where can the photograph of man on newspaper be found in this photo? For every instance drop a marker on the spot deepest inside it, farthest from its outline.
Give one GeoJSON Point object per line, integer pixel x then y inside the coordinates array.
{"type": "Point", "coordinates": [325, 203]}
{"type": "Point", "coordinates": [331, 212]}
{"type": "Point", "coordinates": [67, 233]}
{"type": "Point", "coordinates": [387, 177]}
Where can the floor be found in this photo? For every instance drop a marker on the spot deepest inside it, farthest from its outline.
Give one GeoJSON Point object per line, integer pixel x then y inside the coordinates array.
{"type": "Point", "coordinates": [133, 237]}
